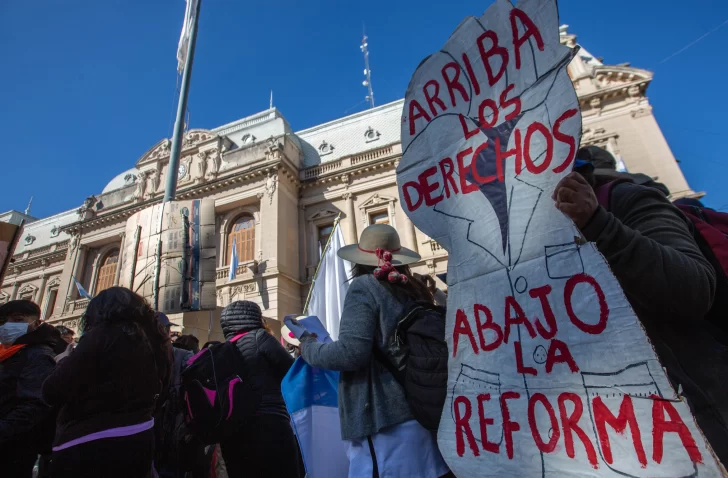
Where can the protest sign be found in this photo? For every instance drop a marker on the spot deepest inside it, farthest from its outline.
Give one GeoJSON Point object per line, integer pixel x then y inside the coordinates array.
{"type": "Point", "coordinates": [550, 372]}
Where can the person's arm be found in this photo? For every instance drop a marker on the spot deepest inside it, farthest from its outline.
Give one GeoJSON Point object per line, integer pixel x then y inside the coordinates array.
{"type": "Point", "coordinates": [75, 372]}
{"type": "Point", "coordinates": [353, 350]}
{"type": "Point", "coordinates": [652, 252]}
{"type": "Point", "coordinates": [30, 409]}
{"type": "Point", "coordinates": [278, 359]}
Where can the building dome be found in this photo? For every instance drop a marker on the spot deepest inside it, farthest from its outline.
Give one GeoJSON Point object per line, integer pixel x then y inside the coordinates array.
{"type": "Point", "coordinates": [122, 180]}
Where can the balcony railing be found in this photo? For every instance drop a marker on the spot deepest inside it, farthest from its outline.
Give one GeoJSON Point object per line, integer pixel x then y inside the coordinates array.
{"type": "Point", "coordinates": [435, 247]}
{"type": "Point", "coordinates": [347, 162]}
{"type": "Point", "coordinates": [77, 305]}
{"type": "Point", "coordinates": [224, 272]}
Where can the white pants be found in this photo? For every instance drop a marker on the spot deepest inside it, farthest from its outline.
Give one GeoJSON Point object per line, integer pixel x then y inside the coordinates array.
{"type": "Point", "coordinates": [406, 450]}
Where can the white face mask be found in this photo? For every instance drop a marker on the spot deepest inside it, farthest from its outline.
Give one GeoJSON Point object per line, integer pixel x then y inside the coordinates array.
{"type": "Point", "coordinates": [10, 331]}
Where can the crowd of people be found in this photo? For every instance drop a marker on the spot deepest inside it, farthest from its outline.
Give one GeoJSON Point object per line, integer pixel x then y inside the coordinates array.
{"type": "Point", "coordinates": [110, 404]}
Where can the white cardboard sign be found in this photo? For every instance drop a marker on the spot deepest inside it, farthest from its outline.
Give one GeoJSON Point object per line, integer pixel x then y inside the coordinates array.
{"type": "Point", "coordinates": [550, 372]}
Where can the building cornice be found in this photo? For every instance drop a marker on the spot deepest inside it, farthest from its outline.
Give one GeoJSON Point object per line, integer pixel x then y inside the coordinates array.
{"type": "Point", "coordinates": [258, 171]}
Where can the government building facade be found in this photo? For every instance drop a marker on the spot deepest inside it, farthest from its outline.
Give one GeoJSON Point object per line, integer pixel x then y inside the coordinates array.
{"type": "Point", "coordinates": [277, 193]}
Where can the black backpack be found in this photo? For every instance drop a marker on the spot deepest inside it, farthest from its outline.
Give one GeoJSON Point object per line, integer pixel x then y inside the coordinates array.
{"type": "Point", "coordinates": [219, 392]}
{"type": "Point", "coordinates": [417, 358]}
{"type": "Point", "coordinates": [175, 444]}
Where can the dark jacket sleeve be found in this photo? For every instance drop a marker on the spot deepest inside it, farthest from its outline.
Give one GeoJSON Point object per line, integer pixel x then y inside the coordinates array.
{"type": "Point", "coordinates": [276, 356]}
{"type": "Point", "coordinates": [651, 250]}
{"type": "Point", "coordinates": [353, 350]}
{"type": "Point", "coordinates": [76, 371]}
{"type": "Point", "coordinates": [31, 409]}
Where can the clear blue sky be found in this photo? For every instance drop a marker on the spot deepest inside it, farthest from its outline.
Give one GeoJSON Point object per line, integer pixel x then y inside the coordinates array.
{"type": "Point", "coordinates": [86, 87]}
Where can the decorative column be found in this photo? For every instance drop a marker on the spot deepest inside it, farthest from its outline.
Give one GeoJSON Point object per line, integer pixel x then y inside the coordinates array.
{"type": "Point", "coordinates": [14, 293]}
{"type": "Point", "coordinates": [77, 264]}
{"type": "Point", "coordinates": [410, 234]}
{"type": "Point", "coordinates": [302, 224]}
{"type": "Point", "coordinates": [120, 260]}
{"type": "Point", "coordinates": [223, 243]}
{"type": "Point", "coordinates": [41, 290]}
{"type": "Point", "coordinates": [94, 274]}
{"type": "Point", "coordinates": [351, 237]}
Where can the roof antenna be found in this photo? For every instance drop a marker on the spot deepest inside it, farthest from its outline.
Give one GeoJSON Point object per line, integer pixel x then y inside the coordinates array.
{"type": "Point", "coordinates": [271, 100]}
{"type": "Point", "coordinates": [367, 72]}
{"type": "Point", "coordinates": [27, 209]}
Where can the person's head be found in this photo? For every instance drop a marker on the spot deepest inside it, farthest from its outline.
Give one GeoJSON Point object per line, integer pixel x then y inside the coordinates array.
{"type": "Point", "coordinates": [380, 253]}
{"type": "Point", "coordinates": [166, 325]}
{"type": "Point", "coordinates": [120, 307]}
{"type": "Point", "coordinates": [240, 316]}
{"type": "Point", "coordinates": [66, 333]}
{"type": "Point", "coordinates": [188, 342]}
{"type": "Point", "coordinates": [601, 159]}
{"type": "Point", "coordinates": [17, 318]}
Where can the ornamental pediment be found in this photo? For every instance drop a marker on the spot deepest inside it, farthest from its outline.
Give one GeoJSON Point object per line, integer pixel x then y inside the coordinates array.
{"type": "Point", "coordinates": [377, 199]}
{"type": "Point", "coordinates": [608, 77]}
{"type": "Point", "coordinates": [322, 214]}
{"type": "Point", "coordinates": [161, 151]}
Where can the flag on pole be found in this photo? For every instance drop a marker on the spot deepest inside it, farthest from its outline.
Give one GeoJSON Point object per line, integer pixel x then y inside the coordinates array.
{"type": "Point", "coordinates": [312, 399]}
{"type": "Point", "coordinates": [330, 285]}
{"type": "Point", "coordinates": [184, 39]}
{"type": "Point", "coordinates": [233, 261]}
{"type": "Point", "coordinates": [81, 291]}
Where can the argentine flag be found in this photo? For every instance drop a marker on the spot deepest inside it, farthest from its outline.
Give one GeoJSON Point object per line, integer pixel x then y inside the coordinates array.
{"type": "Point", "coordinates": [233, 261]}
{"type": "Point", "coordinates": [312, 400]}
{"type": "Point", "coordinates": [81, 290]}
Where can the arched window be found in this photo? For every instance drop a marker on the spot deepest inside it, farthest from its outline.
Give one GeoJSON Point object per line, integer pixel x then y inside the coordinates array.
{"type": "Point", "coordinates": [107, 271]}
{"type": "Point", "coordinates": [243, 235]}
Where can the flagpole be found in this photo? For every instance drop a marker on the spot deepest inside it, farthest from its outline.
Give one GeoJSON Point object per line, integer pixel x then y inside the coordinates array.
{"type": "Point", "coordinates": [323, 254]}
{"type": "Point", "coordinates": [170, 189]}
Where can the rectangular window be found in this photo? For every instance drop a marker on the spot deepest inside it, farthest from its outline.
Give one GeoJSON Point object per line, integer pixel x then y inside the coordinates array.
{"type": "Point", "coordinates": [379, 218]}
{"type": "Point", "coordinates": [51, 305]}
{"type": "Point", "coordinates": [323, 234]}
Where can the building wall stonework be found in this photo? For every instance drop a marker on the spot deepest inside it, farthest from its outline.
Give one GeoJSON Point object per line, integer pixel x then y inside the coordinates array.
{"type": "Point", "coordinates": [293, 185]}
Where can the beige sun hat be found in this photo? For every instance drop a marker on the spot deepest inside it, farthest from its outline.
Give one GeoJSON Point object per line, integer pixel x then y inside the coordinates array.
{"type": "Point", "coordinates": [289, 337]}
{"type": "Point", "coordinates": [382, 237]}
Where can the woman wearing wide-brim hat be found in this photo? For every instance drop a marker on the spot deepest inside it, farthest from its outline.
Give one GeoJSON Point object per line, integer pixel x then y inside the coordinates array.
{"type": "Point", "coordinates": [374, 413]}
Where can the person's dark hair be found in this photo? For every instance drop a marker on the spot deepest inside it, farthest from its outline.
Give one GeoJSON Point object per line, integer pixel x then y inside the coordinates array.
{"type": "Point", "coordinates": [188, 342]}
{"type": "Point", "coordinates": [120, 307]}
{"type": "Point", "coordinates": [65, 330]}
{"type": "Point", "coordinates": [414, 289]}
{"type": "Point", "coordinates": [428, 281]}
{"type": "Point", "coordinates": [210, 343]}
{"type": "Point", "coordinates": [16, 308]}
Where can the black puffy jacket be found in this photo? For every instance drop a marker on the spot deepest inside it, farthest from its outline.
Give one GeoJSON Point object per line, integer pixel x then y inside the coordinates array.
{"type": "Point", "coordinates": [24, 417]}
{"type": "Point", "coordinates": [264, 356]}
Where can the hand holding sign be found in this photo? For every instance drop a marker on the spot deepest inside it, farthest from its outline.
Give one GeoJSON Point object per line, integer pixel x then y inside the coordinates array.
{"type": "Point", "coordinates": [550, 372]}
{"type": "Point", "coordinates": [575, 198]}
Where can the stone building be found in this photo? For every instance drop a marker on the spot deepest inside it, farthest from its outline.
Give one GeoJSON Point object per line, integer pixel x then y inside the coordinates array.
{"type": "Point", "coordinates": [277, 193]}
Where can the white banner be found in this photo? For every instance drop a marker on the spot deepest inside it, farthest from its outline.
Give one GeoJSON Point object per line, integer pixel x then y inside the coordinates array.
{"type": "Point", "coordinates": [550, 372]}
{"type": "Point", "coordinates": [331, 285]}
{"type": "Point", "coordinates": [184, 38]}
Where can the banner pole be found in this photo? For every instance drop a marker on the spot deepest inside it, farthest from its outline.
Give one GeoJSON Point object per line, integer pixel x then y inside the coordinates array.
{"type": "Point", "coordinates": [323, 254]}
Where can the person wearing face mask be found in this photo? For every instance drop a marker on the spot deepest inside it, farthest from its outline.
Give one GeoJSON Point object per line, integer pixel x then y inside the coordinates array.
{"type": "Point", "coordinates": [27, 352]}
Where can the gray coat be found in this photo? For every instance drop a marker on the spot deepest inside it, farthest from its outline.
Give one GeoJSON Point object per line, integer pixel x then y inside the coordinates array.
{"type": "Point", "coordinates": [370, 398]}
